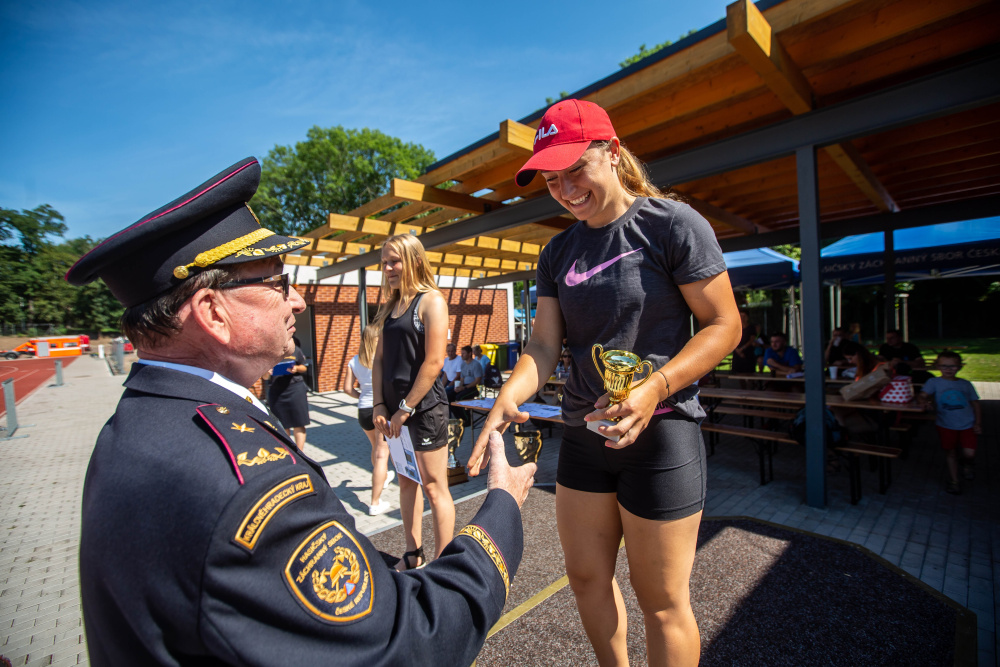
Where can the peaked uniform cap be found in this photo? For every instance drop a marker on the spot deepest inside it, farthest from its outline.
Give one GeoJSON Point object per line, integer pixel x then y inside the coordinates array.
{"type": "Point", "coordinates": [212, 225]}
{"type": "Point", "coordinates": [563, 135]}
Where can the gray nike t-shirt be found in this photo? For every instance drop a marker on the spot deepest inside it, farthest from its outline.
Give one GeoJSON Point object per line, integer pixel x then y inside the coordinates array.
{"type": "Point", "coordinates": [617, 286]}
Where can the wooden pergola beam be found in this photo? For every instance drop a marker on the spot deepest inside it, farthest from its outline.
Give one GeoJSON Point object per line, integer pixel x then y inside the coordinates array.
{"type": "Point", "coordinates": [752, 37]}
{"type": "Point", "coordinates": [517, 136]}
{"type": "Point", "coordinates": [420, 192]}
{"type": "Point", "coordinates": [722, 216]}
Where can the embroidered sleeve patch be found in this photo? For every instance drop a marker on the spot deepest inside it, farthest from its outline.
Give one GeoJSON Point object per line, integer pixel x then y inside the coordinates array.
{"type": "Point", "coordinates": [264, 510]}
{"type": "Point", "coordinates": [484, 540]}
{"type": "Point", "coordinates": [329, 575]}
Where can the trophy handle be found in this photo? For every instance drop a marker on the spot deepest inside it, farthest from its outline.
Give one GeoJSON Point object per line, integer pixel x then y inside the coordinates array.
{"type": "Point", "coordinates": [595, 352]}
{"type": "Point", "coordinates": [648, 375]}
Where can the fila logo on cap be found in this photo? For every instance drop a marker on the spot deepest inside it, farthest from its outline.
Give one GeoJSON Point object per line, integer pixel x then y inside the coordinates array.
{"type": "Point", "coordinates": [542, 133]}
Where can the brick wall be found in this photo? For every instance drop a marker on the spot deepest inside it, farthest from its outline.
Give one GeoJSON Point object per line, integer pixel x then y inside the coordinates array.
{"type": "Point", "coordinates": [474, 316]}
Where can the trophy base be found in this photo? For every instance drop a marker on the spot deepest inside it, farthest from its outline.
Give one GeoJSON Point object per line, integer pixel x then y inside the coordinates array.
{"type": "Point", "coordinates": [604, 422]}
{"type": "Point", "coordinates": [457, 475]}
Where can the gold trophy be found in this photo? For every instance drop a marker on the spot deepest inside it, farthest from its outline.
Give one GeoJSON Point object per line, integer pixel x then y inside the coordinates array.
{"type": "Point", "coordinates": [619, 372]}
{"type": "Point", "coordinates": [528, 443]}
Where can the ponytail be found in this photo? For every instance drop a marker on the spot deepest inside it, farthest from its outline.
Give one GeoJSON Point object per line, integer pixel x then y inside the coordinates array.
{"type": "Point", "coordinates": [633, 176]}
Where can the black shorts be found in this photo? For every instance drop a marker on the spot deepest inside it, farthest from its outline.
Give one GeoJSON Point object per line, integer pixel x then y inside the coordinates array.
{"type": "Point", "coordinates": [661, 476]}
{"type": "Point", "coordinates": [429, 428]}
{"type": "Point", "coordinates": [365, 419]}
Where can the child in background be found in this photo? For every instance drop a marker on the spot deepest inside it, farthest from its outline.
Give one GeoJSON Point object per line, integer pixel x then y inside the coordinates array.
{"type": "Point", "coordinates": [959, 418]}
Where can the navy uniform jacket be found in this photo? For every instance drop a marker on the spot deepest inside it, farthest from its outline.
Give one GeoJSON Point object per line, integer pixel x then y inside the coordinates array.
{"type": "Point", "coordinates": [207, 539]}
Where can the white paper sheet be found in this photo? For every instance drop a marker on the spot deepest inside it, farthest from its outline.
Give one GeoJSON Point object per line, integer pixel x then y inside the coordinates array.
{"type": "Point", "coordinates": [404, 460]}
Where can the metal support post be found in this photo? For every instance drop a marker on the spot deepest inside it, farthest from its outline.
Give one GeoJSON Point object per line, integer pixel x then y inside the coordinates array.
{"type": "Point", "coordinates": [59, 377]}
{"type": "Point", "coordinates": [812, 315]}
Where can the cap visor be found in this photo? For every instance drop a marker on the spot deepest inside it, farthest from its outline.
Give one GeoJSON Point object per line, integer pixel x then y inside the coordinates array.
{"type": "Point", "coordinates": [553, 158]}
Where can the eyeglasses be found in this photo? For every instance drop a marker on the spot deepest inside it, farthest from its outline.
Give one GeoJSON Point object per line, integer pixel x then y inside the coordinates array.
{"type": "Point", "coordinates": [269, 280]}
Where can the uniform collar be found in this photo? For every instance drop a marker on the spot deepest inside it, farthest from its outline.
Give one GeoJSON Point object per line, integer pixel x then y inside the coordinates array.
{"type": "Point", "coordinates": [212, 377]}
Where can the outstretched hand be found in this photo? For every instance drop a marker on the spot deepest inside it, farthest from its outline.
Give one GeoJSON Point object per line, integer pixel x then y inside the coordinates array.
{"type": "Point", "coordinates": [515, 481]}
{"type": "Point", "coordinates": [497, 421]}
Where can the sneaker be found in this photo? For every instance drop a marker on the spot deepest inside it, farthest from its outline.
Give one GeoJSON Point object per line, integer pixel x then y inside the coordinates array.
{"type": "Point", "coordinates": [388, 479]}
{"type": "Point", "coordinates": [953, 488]}
{"type": "Point", "coordinates": [380, 508]}
{"type": "Point", "coordinates": [968, 472]}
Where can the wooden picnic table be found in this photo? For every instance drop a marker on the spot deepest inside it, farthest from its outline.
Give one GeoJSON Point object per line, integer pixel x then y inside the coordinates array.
{"type": "Point", "coordinates": [882, 452]}
{"type": "Point", "coordinates": [759, 377]}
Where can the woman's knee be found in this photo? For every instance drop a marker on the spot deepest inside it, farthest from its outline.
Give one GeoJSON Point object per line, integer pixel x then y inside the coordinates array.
{"type": "Point", "coordinates": [437, 492]}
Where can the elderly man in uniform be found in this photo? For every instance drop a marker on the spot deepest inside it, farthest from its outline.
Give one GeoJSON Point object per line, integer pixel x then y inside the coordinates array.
{"type": "Point", "coordinates": [207, 538]}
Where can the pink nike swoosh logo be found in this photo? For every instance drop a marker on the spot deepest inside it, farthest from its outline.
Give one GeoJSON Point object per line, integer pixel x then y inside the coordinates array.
{"type": "Point", "coordinates": [573, 278]}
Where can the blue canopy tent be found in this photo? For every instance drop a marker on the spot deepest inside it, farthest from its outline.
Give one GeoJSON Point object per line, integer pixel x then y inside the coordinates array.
{"type": "Point", "coordinates": [761, 268]}
{"type": "Point", "coordinates": [949, 250]}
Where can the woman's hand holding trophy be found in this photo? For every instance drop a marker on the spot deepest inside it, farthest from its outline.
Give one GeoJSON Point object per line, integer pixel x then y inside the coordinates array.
{"type": "Point", "coordinates": [622, 413]}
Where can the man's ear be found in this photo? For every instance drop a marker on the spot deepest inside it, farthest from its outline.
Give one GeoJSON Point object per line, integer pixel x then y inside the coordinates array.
{"type": "Point", "coordinates": [208, 312]}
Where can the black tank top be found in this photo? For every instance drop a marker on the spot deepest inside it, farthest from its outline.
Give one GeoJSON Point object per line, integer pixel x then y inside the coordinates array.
{"type": "Point", "coordinates": [403, 352]}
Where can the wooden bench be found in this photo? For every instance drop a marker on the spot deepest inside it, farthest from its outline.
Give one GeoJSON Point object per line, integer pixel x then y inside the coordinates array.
{"type": "Point", "coordinates": [762, 439]}
{"type": "Point", "coordinates": [884, 455]}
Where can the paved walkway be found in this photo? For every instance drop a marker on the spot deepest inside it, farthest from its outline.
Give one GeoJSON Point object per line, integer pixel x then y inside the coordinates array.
{"type": "Point", "coordinates": [952, 543]}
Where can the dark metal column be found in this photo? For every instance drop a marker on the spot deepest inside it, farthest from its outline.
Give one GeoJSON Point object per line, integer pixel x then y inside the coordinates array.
{"type": "Point", "coordinates": [812, 324]}
{"type": "Point", "coordinates": [889, 287]}
{"type": "Point", "coordinates": [363, 297]}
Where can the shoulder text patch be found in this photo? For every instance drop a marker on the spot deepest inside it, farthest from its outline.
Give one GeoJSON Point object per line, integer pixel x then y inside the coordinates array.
{"type": "Point", "coordinates": [264, 510]}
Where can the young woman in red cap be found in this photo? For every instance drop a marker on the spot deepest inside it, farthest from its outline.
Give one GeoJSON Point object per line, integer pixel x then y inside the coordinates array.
{"type": "Point", "coordinates": [628, 276]}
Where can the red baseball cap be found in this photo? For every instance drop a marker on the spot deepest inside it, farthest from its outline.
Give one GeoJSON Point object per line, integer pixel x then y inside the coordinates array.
{"type": "Point", "coordinates": [563, 135]}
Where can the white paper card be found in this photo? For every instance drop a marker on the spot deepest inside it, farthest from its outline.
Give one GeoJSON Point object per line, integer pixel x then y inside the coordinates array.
{"type": "Point", "coordinates": [404, 460]}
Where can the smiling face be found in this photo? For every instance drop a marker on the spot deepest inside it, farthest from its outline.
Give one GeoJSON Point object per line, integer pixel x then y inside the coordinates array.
{"type": "Point", "coordinates": [589, 188]}
{"type": "Point", "coordinates": [392, 266]}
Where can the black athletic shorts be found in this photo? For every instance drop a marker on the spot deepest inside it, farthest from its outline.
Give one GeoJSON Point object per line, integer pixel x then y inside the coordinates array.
{"type": "Point", "coordinates": [429, 428]}
{"type": "Point", "coordinates": [365, 419]}
{"type": "Point", "coordinates": [661, 476]}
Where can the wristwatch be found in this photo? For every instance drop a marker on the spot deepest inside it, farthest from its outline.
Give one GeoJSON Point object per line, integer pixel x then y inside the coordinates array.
{"type": "Point", "coordinates": [405, 408]}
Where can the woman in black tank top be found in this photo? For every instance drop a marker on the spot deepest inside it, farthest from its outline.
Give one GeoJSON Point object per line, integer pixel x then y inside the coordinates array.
{"type": "Point", "coordinates": [407, 390]}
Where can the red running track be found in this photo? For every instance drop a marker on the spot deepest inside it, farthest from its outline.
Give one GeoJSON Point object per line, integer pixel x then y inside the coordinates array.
{"type": "Point", "coordinates": [29, 375]}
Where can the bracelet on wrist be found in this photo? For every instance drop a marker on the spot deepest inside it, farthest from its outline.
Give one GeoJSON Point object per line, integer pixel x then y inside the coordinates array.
{"type": "Point", "coordinates": [665, 381]}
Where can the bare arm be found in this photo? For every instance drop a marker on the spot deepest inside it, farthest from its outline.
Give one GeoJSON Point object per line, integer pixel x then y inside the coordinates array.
{"type": "Point", "coordinates": [380, 413]}
{"type": "Point", "coordinates": [529, 375]}
{"type": "Point", "coordinates": [349, 384]}
{"type": "Point", "coordinates": [712, 303]}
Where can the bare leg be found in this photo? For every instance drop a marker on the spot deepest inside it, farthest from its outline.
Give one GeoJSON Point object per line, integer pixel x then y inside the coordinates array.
{"type": "Point", "coordinates": [590, 530]}
{"type": "Point", "coordinates": [380, 463]}
{"type": "Point", "coordinates": [953, 465]}
{"type": "Point", "coordinates": [434, 472]}
{"type": "Point", "coordinates": [660, 556]}
{"type": "Point", "coordinates": [411, 507]}
{"type": "Point", "coordinates": [299, 433]}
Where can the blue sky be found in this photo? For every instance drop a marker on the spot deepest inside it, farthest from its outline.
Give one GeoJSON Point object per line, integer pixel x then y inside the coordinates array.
{"type": "Point", "coordinates": [110, 109]}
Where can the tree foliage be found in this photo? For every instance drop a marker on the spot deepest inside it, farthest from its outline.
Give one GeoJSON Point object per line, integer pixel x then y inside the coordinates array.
{"type": "Point", "coordinates": [644, 52]}
{"type": "Point", "coordinates": [333, 171]}
{"type": "Point", "coordinates": [32, 266]}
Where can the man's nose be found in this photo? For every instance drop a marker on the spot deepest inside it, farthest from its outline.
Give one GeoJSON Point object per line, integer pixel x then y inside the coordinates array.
{"type": "Point", "coordinates": [298, 303]}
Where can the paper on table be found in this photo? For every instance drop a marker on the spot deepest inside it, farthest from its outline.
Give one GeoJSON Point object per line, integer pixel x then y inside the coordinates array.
{"type": "Point", "coordinates": [404, 460]}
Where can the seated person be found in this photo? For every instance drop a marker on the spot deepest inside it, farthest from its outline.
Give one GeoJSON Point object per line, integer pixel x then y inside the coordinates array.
{"type": "Point", "coordinates": [834, 354]}
{"type": "Point", "coordinates": [781, 358]}
{"type": "Point", "coordinates": [744, 359]}
{"type": "Point", "coordinates": [565, 364]}
{"type": "Point", "coordinates": [452, 365]}
{"type": "Point", "coordinates": [895, 350]}
{"type": "Point", "coordinates": [469, 379]}
{"type": "Point", "coordinates": [480, 358]}
{"type": "Point", "coordinates": [859, 360]}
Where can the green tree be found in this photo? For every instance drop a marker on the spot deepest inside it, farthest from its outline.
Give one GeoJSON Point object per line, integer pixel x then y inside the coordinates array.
{"type": "Point", "coordinates": [32, 266]}
{"type": "Point", "coordinates": [644, 52]}
{"type": "Point", "coordinates": [333, 171]}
